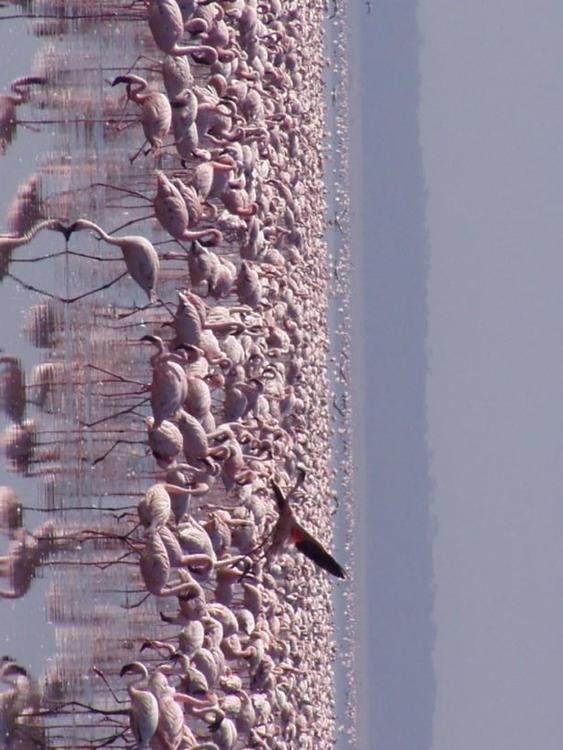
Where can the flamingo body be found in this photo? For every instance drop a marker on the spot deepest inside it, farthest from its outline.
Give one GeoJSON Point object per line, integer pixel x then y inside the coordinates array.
{"type": "Point", "coordinates": [141, 259]}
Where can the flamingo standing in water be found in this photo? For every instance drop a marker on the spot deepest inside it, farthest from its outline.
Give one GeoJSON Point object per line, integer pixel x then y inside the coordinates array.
{"type": "Point", "coordinates": [8, 104]}
{"type": "Point", "coordinates": [169, 384]}
{"type": "Point", "coordinates": [167, 27]}
{"type": "Point", "coordinates": [8, 242]}
{"type": "Point", "coordinates": [143, 714]}
{"type": "Point", "coordinates": [172, 212]}
{"type": "Point", "coordinates": [156, 112]}
{"type": "Point", "coordinates": [141, 259]}
{"type": "Point", "coordinates": [19, 705]}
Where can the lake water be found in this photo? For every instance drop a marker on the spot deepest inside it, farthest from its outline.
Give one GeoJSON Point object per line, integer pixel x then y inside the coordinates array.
{"type": "Point", "coordinates": [72, 617]}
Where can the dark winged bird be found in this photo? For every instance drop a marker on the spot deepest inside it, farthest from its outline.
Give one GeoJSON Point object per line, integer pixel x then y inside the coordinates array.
{"type": "Point", "coordinates": [288, 530]}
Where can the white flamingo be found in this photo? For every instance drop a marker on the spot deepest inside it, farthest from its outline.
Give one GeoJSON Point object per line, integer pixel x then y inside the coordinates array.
{"type": "Point", "coordinates": [156, 113]}
{"type": "Point", "coordinates": [141, 259]}
{"type": "Point", "coordinates": [143, 711]}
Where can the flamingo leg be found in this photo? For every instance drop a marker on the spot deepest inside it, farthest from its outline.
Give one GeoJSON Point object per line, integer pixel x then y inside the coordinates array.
{"type": "Point", "coordinates": [136, 154]}
{"type": "Point", "coordinates": [129, 223]}
{"type": "Point", "coordinates": [113, 447]}
{"type": "Point", "coordinates": [122, 190]}
{"type": "Point", "coordinates": [115, 375]}
{"type": "Point", "coordinates": [66, 300]}
{"type": "Point", "coordinates": [138, 604]}
{"type": "Point", "coordinates": [114, 416]}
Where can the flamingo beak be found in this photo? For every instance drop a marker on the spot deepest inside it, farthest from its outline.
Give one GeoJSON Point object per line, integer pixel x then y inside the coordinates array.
{"type": "Point", "coordinates": [66, 230]}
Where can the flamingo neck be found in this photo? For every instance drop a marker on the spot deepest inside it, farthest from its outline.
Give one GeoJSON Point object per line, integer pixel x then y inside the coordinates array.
{"type": "Point", "coordinates": [17, 98]}
{"type": "Point", "coordinates": [136, 96]}
{"type": "Point", "coordinates": [24, 239]}
{"type": "Point", "coordinates": [137, 682]}
{"type": "Point", "coordinates": [106, 237]}
{"type": "Point", "coordinates": [180, 51]}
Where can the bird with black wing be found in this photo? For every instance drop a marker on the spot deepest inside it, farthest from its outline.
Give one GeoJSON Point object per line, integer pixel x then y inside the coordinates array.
{"type": "Point", "coordinates": [288, 530]}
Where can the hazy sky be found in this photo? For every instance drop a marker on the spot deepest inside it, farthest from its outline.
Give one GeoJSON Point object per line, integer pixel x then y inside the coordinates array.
{"type": "Point", "coordinates": [491, 128]}
{"type": "Point", "coordinates": [462, 259]}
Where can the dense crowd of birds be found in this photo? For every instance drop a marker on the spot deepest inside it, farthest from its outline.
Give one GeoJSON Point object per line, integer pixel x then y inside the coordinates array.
{"type": "Point", "coordinates": [238, 395]}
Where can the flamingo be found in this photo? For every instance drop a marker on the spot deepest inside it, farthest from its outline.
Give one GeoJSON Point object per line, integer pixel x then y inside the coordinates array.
{"type": "Point", "coordinates": [8, 104]}
{"type": "Point", "coordinates": [155, 507]}
{"type": "Point", "coordinates": [18, 706]}
{"type": "Point", "coordinates": [11, 510]}
{"type": "Point", "coordinates": [171, 208]}
{"type": "Point", "coordinates": [191, 601]}
{"type": "Point", "coordinates": [224, 730]}
{"type": "Point", "coordinates": [12, 388]}
{"type": "Point", "coordinates": [184, 113]}
{"type": "Point", "coordinates": [249, 288]}
{"type": "Point", "coordinates": [289, 530]}
{"type": "Point", "coordinates": [143, 713]}
{"type": "Point", "coordinates": [187, 477]}
{"type": "Point", "coordinates": [141, 259]}
{"type": "Point", "coordinates": [165, 441]}
{"type": "Point", "coordinates": [167, 27]}
{"type": "Point", "coordinates": [169, 385]}
{"type": "Point", "coordinates": [155, 568]}
{"type": "Point", "coordinates": [156, 113]}
{"type": "Point", "coordinates": [176, 73]}
{"type": "Point", "coordinates": [171, 211]}
{"type": "Point", "coordinates": [8, 242]}
{"type": "Point", "coordinates": [170, 730]}
{"type": "Point", "coordinates": [190, 638]}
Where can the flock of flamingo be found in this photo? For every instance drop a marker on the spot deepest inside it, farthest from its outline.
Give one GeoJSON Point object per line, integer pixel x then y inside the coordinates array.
{"type": "Point", "coordinates": [180, 424]}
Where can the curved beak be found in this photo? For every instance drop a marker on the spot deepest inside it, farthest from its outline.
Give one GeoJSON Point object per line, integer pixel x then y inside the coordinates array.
{"type": "Point", "coordinates": [121, 79]}
{"type": "Point", "coordinates": [74, 227]}
{"type": "Point", "coordinates": [64, 229]}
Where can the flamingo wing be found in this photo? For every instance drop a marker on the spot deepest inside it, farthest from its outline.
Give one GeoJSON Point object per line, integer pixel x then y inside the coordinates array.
{"type": "Point", "coordinates": [315, 551]}
{"type": "Point", "coordinates": [143, 717]}
{"type": "Point", "coordinates": [281, 502]}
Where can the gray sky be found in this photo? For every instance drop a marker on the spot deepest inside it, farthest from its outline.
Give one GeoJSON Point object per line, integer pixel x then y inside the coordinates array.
{"type": "Point", "coordinates": [491, 131]}
{"type": "Point", "coordinates": [461, 255]}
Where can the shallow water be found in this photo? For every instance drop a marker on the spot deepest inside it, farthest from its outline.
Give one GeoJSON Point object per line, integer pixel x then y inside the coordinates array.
{"type": "Point", "coordinates": [21, 637]}
{"type": "Point", "coordinates": [337, 80]}
{"type": "Point", "coordinates": [81, 142]}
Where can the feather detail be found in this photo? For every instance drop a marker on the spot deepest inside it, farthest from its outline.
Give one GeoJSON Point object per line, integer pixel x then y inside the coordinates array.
{"type": "Point", "coordinates": [281, 502]}
{"type": "Point", "coordinates": [317, 553]}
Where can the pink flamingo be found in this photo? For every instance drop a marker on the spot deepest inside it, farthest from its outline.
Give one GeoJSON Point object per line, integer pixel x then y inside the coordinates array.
{"type": "Point", "coordinates": [167, 27]}
{"type": "Point", "coordinates": [141, 259]}
{"type": "Point", "coordinates": [156, 113]}
{"type": "Point", "coordinates": [288, 530]}
{"type": "Point", "coordinates": [8, 104]}
{"type": "Point", "coordinates": [143, 711]}
{"type": "Point", "coordinates": [172, 213]}
{"type": "Point", "coordinates": [169, 384]}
